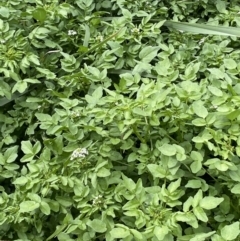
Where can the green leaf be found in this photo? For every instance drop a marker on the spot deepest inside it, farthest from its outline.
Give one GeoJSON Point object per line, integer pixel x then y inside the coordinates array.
{"type": "Point", "coordinates": [4, 12]}
{"type": "Point", "coordinates": [95, 97]}
{"type": "Point", "coordinates": [233, 115]}
{"type": "Point", "coordinates": [167, 150]}
{"type": "Point", "coordinates": [230, 63]}
{"type": "Point", "coordinates": [187, 204]}
{"type": "Point", "coordinates": [221, 6]}
{"type": "Point", "coordinates": [34, 59]}
{"type": "Point", "coordinates": [41, 32]}
{"type": "Point", "coordinates": [119, 233]}
{"type": "Point", "coordinates": [28, 206]}
{"type": "Point", "coordinates": [203, 28]}
{"type": "Point", "coordinates": [141, 112]}
{"type": "Point", "coordinates": [191, 70]}
{"type": "Point", "coordinates": [27, 157]}
{"type": "Point", "coordinates": [141, 67]}
{"type": "Point", "coordinates": [198, 139]}
{"type": "Point", "coordinates": [215, 91]}
{"type": "Point", "coordinates": [162, 67]}
{"type": "Point", "coordinates": [44, 207]}
{"type": "Point", "coordinates": [40, 14]}
{"type": "Point", "coordinates": [217, 72]}
{"type": "Point", "coordinates": [173, 186]}
{"type": "Point", "coordinates": [63, 236]}
{"type": "Point", "coordinates": [10, 154]}
{"type": "Point", "coordinates": [97, 225]}
{"type": "Point", "coordinates": [57, 231]}
{"type": "Point", "coordinates": [200, 214]}
{"type": "Point", "coordinates": [20, 86]}
{"type": "Point", "coordinates": [86, 36]}
{"type": "Point", "coordinates": [161, 232]}
{"type": "Point", "coordinates": [211, 118]}
{"type": "Point", "coordinates": [210, 202]}
{"type": "Point", "coordinates": [188, 218]}
{"type": "Point", "coordinates": [136, 234]}
{"type": "Point", "coordinates": [197, 198]}
{"type": "Point", "coordinates": [199, 122]}
{"type": "Point", "coordinates": [236, 189]}
{"type": "Point", "coordinates": [33, 81]}
{"type": "Point", "coordinates": [21, 181]}
{"type": "Point", "coordinates": [27, 147]}
{"type": "Point", "coordinates": [103, 172]}
{"type": "Point", "coordinates": [199, 109]}
{"type": "Point", "coordinates": [236, 88]}
{"type": "Point", "coordinates": [225, 205]}
{"type": "Point", "coordinates": [194, 184]}
{"type": "Point", "coordinates": [230, 232]}
{"type": "Point", "coordinates": [196, 166]}
{"type": "Point", "coordinates": [196, 156]}
{"type": "Point", "coordinates": [43, 117]}
{"type": "Point", "coordinates": [222, 166]}
{"type": "Point", "coordinates": [201, 236]}
{"type": "Point", "coordinates": [148, 53]}
{"type": "Point", "coordinates": [129, 183]}
{"type": "Point", "coordinates": [56, 145]}
{"type": "Point", "coordinates": [47, 73]}
{"type": "Point", "coordinates": [132, 157]}
{"type": "Point", "coordinates": [36, 147]}
{"type": "Point", "coordinates": [97, 46]}
{"type": "Point", "coordinates": [131, 206]}
{"type": "Point", "coordinates": [157, 171]}
{"type": "Point", "coordinates": [64, 201]}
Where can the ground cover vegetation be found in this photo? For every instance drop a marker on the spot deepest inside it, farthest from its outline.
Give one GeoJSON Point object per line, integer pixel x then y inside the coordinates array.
{"type": "Point", "coordinates": [119, 120]}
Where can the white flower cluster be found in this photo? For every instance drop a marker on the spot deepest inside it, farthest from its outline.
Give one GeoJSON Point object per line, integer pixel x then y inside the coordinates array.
{"type": "Point", "coordinates": [79, 153]}
{"type": "Point", "coordinates": [75, 114]}
{"type": "Point", "coordinates": [97, 200]}
{"type": "Point", "coordinates": [99, 38]}
{"type": "Point", "coordinates": [71, 32]}
{"type": "Point", "coordinates": [135, 31]}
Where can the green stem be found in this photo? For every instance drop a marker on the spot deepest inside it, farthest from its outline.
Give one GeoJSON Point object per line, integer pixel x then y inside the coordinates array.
{"type": "Point", "coordinates": [138, 134]}
{"type": "Point", "coordinates": [171, 138]}
{"type": "Point", "coordinates": [122, 163]}
{"type": "Point", "coordinates": [96, 46]}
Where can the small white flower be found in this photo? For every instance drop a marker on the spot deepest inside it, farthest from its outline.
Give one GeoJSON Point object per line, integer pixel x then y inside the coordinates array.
{"type": "Point", "coordinates": [99, 38]}
{"type": "Point", "coordinates": [135, 30]}
{"type": "Point", "coordinates": [79, 153]}
{"type": "Point", "coordinates": [71, 32]}
{"type": "Point", "coordinates": [98, 200]}
{"type": "Point", "coordinates": [2, 41]}
{"type": "Point", "coordinates": [75, 114]}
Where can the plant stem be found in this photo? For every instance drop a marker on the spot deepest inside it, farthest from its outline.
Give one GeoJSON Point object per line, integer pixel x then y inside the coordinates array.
{"type": "Point", "coordinates": [138, 134]}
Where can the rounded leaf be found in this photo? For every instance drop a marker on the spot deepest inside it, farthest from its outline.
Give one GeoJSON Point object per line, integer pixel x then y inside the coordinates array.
{"type": "Point", "coordinates": [230, 232]}
{"type": "Point", "coordinates": [28, 206]}
{"type": "Point", "coordinates": [167, 150]}
{"type": "Point", "coordinates": [44, 207]}
{"type": "Point", "coordinates": [97, 225]}
{"type": "Point", "coordinates": [119, 233]}
{"type": "Point", "coordinates": [210, 202]}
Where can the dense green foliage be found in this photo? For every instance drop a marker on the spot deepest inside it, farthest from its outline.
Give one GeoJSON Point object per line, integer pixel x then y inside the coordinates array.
{"type": "Point", "coordinates": [114, 126]}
